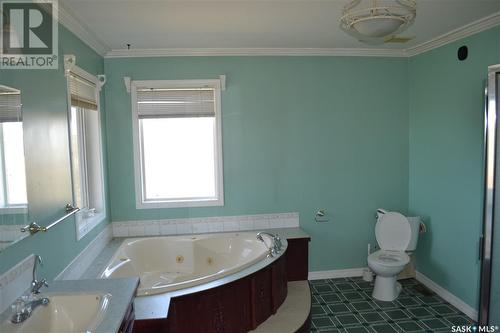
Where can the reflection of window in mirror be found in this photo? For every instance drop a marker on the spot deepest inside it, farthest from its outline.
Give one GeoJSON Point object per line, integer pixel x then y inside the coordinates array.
{"type": "Point", "coordinates": [13, 197]}
{"type": "Point", "coordinates": [86, 152]}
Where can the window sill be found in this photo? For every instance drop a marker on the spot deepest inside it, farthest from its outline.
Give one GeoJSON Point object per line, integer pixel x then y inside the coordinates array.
{"type": "Point", "coordinates": [85, 224]}
{"type": "Point", "coordinates": [13, 210]}
{"type": "Point", "coordinates": [180, 203]}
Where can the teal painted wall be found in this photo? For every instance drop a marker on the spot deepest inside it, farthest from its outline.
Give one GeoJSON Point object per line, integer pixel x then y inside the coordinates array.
{"type": "Point", "coordinates": [47, 157]}
{"type": "Point", "coordinates": [446, 145]}
{"type": "Point", "coordinates": [299, 134]}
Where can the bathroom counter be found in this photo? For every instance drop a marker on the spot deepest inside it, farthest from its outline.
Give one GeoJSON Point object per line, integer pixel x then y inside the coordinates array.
{"type": "Point", "coordinates": [289, 233]}
{"type": "Point", "coordinates": [122, 293]}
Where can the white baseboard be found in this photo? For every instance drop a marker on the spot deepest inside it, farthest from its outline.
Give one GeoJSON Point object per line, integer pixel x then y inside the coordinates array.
{"type": "Point", "coordinates": [336, 273]}
{"type": "Point", "coordinates": [82, 261]}
{"type": "Point", "coordinates": [447, 296]}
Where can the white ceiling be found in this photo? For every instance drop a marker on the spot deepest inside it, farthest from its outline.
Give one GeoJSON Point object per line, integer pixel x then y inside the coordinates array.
{"type": "Point", "coordinates": [148, 24]}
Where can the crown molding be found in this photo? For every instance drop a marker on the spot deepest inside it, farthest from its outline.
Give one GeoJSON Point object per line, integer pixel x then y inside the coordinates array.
{"type": "Point", "coordinates": [67, 19]}
{"type": "Point", "coordinates": [190, 52]}
{"type": "Point", "coordinates": [467, 30]}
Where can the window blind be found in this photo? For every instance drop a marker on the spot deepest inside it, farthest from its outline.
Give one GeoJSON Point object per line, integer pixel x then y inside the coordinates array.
{"type": "Point", "coordinates": [10, 107]}
{"type": "Point", "coordinates": [175, 103]}
{"type": "Point", "coordinates": [83, 92]}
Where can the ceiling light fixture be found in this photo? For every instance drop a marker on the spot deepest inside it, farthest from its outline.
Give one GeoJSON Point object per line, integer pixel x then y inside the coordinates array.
{"type": "Point", "coordinates": [377, 21]}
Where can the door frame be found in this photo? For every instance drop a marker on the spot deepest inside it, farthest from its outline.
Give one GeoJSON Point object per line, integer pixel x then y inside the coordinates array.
{"type": "Point", "coordinates": [486, 240]}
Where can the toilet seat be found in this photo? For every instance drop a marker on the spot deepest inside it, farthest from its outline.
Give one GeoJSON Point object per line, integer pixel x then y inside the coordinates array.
{"type": "Point", "coordinates": [393, 232]}
{"type": "Point", "coordinates": [389, 258]}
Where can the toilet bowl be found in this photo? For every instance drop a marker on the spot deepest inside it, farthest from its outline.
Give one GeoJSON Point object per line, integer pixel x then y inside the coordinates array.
{"type": "Point", "coordinates": [387, 265]}
{"type": "Point", "coordinates": [394, 235]}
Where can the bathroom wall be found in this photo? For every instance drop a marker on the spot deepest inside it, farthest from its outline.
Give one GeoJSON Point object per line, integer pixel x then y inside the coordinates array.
{"type": "Point", "coordinates": [47, 157]}
{"type": "Point", "coordinates": [299, 134]}
{"type": "Point", "coordinates": [446, 145]}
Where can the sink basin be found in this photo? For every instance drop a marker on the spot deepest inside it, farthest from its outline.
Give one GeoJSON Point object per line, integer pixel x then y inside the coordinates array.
{"type": "Point", "coordinates": [65, 313]}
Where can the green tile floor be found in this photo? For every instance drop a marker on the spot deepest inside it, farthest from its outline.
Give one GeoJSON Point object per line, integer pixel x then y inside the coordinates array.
{"type": "Point", "coordinates": [345, 305]}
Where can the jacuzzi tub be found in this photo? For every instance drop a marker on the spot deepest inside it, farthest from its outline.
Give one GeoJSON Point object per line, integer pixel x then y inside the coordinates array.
{"type": "Point", "coordinates": [170, 263]}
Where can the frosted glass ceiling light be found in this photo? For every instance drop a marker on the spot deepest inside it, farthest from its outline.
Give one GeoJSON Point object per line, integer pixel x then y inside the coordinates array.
{"type": "Point", "coordinates": [377, 21]}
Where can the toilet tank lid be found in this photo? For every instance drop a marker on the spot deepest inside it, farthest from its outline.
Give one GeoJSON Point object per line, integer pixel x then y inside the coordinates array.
{"type": "Point", "coordinates": [393, 232]}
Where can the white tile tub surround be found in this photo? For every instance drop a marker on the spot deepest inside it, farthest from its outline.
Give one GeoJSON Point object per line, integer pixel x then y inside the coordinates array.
{"type": "Point", "coordinates": [82, 261]}
{"type": "Point", "coordinates": [15, 282]}
{"type": "Point", "coordinates": [201, 225]}
{"type": "Point", "coordinates": [10, 233]}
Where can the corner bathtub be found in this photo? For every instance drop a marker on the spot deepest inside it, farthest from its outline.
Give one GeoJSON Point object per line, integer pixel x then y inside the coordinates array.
{"type": "Point", "coordinates": [170, 263]}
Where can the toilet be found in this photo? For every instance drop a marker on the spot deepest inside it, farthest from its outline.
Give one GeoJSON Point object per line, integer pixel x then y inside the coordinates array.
{"type": "Point", "coordinates": [395, 235]}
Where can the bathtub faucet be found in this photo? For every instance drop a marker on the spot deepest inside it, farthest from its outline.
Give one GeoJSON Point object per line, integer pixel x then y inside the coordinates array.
{"type": "Point", "coordinates": [275, 248]}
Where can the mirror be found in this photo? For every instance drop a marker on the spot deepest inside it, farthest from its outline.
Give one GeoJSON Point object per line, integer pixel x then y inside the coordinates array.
{"type": "Point", "coordinates": [13, 195]}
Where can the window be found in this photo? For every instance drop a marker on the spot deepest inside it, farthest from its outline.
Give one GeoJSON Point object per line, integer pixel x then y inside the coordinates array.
{"type": "Point", "coordinates": [86, 152]}
{"type": "Point", "coordinates": [177, 143]}
{"type": "Point", "coordinates": [13, 196]}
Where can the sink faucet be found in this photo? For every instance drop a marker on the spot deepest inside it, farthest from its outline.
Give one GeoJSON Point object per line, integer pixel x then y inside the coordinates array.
{"type": "Point", "coordinates": [275, 249]}
{"type": "Point", "coordinates": [36, 285]}
{"type": "Point", "coordinates": [25, 305]}
{"type": "Point", "coordinates": [23, 308]}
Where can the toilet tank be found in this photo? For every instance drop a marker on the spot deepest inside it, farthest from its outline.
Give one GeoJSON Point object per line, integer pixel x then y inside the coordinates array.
{"type": "Point", "coordinates": [415, 229]}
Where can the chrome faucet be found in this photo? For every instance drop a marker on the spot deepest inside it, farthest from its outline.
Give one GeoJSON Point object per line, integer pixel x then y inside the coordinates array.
{"type": "Point", "coordinates": [35, 284]}
{"type": "Point", "coordinates": [24, 308]}
{"type": "Point", "coordinates": [276, 246]}
{"type": "Point", "coordinates": [25, 305]}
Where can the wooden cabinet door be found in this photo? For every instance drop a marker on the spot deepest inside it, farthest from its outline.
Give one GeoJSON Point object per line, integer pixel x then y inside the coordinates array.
{"type": "Point", "coordinates": [236, 309]}
{"type": "Point", "coordinates": [279, 283]}
{"type": "Point", "coordinates": [261, 296]}
{"type": "Point", "coordinates": [297, 259]}
{"type": "Point", "coordinates": [224, 309]}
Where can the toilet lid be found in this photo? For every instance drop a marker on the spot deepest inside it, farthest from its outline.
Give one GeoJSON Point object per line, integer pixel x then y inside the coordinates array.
{"type": "Point", "coordinates": [393, 232]}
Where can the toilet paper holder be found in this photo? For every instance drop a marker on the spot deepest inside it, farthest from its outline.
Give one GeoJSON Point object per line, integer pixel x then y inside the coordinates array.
{"type": "Point", "coordinates": [320, 216]}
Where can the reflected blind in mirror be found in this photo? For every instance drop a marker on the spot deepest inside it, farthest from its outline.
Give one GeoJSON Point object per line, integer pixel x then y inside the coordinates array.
{"type": "Point", "coordinates": [10, 106]}
{"type": "Point", "coordinates": [83, 92]}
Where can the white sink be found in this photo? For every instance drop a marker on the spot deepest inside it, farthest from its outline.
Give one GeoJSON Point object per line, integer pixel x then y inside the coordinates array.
{"type": "Point", "coordinates": [65, 313]}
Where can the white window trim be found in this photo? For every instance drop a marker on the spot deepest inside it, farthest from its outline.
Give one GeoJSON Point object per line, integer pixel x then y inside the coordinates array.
{"type": "Point", "coordinates": [83, 225]}
{"type": "Point", "coordinates": [219, 173]}
{"type": "Point", "coordinates": [8, 209]}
